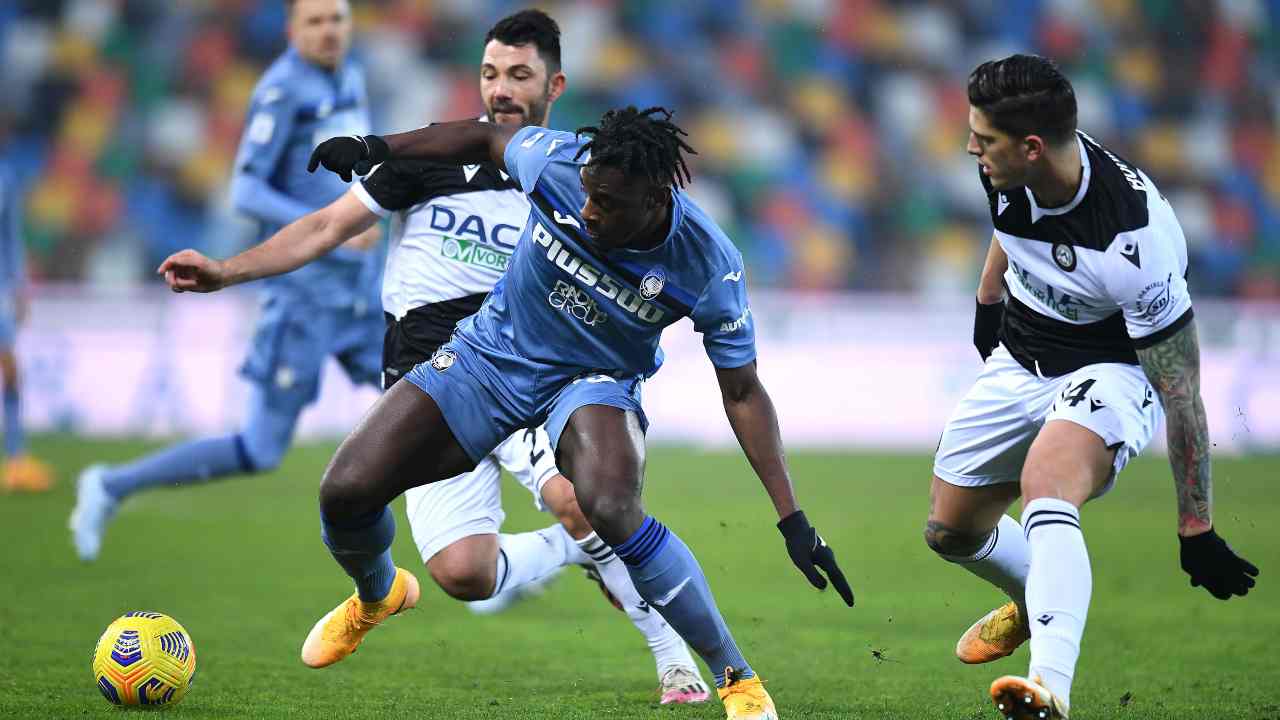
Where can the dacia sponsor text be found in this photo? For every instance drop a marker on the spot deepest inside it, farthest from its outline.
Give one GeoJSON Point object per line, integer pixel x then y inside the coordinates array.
{"type": "Point", "coordinates": [447, 222]}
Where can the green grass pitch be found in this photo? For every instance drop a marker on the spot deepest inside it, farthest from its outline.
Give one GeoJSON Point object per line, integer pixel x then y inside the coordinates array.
{"type": "Point", "coordinates": [241, 565]}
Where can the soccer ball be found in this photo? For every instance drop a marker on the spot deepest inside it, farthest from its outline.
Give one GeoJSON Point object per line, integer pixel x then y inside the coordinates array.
{"type": "Point", "coordinates": [144, 658]}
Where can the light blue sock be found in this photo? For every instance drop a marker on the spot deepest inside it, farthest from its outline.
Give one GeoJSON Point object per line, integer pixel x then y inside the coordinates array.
{"type": "Point", "coordinates": [669, 578]}
{"type": "Point", "coordinates": [362, 546]}
{"type": "Point", "coordinates": [15, 440]}
{"type": "Point", "coordinates": [187, 462]}
{"type": "Point", "coordinates": [258, 448]}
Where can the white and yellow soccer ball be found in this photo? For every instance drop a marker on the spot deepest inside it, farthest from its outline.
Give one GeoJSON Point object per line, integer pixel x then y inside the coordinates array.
{"type": "Point", "coordinates": [144, 658]}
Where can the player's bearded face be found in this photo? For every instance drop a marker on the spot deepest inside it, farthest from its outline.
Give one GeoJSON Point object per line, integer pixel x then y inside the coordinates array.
{"type": "Point", "coordinates": [1001, 157]}
{"type": "Point", "coordinates": [619, 210]}
{"type": "Point", "coordinates": [320, 30]}
{"type": "Point", "coordinates": [515, 86]}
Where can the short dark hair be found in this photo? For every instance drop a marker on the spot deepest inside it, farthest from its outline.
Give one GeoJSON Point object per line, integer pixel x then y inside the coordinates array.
{"type": "Point", "coordinates": [530, 26]}
{"type": "Point", "coordinates": [639, 142]}
{"type": "Point", "coordinates": [1025, 95]}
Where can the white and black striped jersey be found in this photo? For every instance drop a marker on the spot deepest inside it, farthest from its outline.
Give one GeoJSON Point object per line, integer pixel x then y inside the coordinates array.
{"type": "Point", "coordinates": [453, 229]}
{"type": "Point", "coordinates": [1090, 281]}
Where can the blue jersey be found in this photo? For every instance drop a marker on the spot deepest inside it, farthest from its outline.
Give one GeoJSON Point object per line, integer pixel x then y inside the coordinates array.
{"type": "Point", "coordinates": [12, 253]}
{"type": "Point", "coordinates": [295, 106]}
{"type": "Point", "coordinates": [566, 308]}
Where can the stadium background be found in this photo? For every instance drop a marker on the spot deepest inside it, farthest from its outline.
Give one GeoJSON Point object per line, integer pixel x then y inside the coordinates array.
{"type": "Point", "coordinates": [831, 140]}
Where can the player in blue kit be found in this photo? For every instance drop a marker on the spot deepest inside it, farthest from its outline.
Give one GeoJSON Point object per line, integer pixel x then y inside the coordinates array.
{"type": "Point", "coordinates": [613, 252]}
{"type": "Point", "coordinates": [329, 308]}
{"type": "Point", "coordinates": [22, 472]}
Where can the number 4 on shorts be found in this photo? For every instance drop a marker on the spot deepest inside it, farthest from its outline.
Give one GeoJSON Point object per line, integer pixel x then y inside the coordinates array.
{"type": "Point", "coordinates": [1076, 395]}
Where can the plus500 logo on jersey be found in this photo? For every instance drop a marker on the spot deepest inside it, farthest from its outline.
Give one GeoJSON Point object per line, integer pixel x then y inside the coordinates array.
{"type": "Point", "coordinates": [592, 279]}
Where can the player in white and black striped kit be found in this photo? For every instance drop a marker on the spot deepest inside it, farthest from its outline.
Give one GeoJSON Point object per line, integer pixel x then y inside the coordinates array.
{"type": "Point", "coordinates": [452, 231]}
{"type": "Point", "coordinates": [1088, 336]}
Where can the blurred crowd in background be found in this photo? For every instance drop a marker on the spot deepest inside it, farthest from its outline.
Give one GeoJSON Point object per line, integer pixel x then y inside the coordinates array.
{"type": "Point", "coordinates": [830, 133]}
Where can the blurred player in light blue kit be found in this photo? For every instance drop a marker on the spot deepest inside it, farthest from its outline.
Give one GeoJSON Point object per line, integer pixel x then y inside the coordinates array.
{"type": "Point", "coordinates": [21, 471]}
{"type": "Point", "coordinates": [330, 307]}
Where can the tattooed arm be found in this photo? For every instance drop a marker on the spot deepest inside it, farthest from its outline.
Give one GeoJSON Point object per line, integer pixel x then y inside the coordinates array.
{"type": "Point", "coordinates": [1173, 367]}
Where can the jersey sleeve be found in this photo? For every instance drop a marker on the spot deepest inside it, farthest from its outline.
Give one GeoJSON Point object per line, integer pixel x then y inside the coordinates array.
{"type": "Point", "coordinates": [528, 456]}
{"type": "Point", "coordinates": [267, 131]}
{"type": "Point", "coordinates": [723, 316]}
{"type": "Point", "coordinates": [1147, 281]}
{"type": "Point", "coordinates": [533, 148]}
{"type": "Point", "coordinates": [396, 184]}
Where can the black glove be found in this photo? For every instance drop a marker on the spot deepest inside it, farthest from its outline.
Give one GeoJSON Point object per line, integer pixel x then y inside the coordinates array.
{"type": "Point", "coordinates": [986, 327]}
{"type": "Point", "coordinates": [809, 552]}
{"type": "Point", "coordinates": [1211, 563]}
{"type": "Point", "coordinates": [343, 155]}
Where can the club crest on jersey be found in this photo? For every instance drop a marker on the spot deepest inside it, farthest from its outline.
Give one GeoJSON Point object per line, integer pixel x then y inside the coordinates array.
{"type": "Point", "coordinates": [443, 360]}
{"type": "Point", "coordinates": [1064, 256]}
{"type": "Point", "coordinates": [652, 283]}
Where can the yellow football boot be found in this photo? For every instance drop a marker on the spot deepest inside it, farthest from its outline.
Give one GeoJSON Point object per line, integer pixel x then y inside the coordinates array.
{"type": "Point", "coordinates": [745, 698]}
{"type": "Point", "coordinates": [339, 633]}
{"type": "Point", "coordinates": [1020, 698]}
{"type": "Point", "coordinates": [996, 635]}
{"type": "Point", "coordinates": [23, 473]}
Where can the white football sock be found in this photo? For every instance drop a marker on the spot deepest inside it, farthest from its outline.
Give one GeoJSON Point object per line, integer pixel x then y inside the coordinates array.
{"type": "Point", "coordinates": [665, 644]}
{"type": "Point", "coordinates": [532, 556]}
{"type": "Point", "coordinates": [1003, 561]}
{"type": "Point", "coordinates": [1058, 589]}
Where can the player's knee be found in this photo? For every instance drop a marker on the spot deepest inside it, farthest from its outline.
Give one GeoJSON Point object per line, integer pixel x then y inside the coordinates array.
{"type": "Point", "coordinates": [262, 455]}
{"type": "Point", "coordinates": [8, 370]}
{"type": "Point", "coordinates": [343, 493]}
{"type": "Point", "coordinates": [607, 510]}
{"type": "Point", "coordinates": [949, 542]}
{"type": "Point", "coordinates": [461, 580]}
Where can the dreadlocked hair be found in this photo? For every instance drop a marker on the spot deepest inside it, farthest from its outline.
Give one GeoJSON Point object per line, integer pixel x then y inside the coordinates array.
{"type": "Point", "coordinates": [640, 142]}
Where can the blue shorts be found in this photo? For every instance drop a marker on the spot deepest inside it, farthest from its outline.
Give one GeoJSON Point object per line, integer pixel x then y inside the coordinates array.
{"type": "Point", "coordinates": [293, 339]}
{"type": "Point", "coordinates": [8, 322]}
{"type": "Point", "coordinates": [8, 331]}
{"type": "Point", "coordinates": [484, 401]}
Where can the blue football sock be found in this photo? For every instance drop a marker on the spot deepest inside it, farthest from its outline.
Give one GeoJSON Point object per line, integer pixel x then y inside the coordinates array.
{"type": "Point", "coordinates": [187, 462]}
{"type": "Point", "coordinates": [15, 440]}
{"type": "Point", "coordinates": [362, 546]}
{"type": "Point", "coordinates": [258, 448]}
{"type": "Point", "coordinates": [669, 578]}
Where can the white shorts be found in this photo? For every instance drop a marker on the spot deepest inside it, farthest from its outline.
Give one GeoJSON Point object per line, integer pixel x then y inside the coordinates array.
{"type": "Point", "coordinates": [444, 512]}
{"type": "Point", "coordinates": [988, 436]}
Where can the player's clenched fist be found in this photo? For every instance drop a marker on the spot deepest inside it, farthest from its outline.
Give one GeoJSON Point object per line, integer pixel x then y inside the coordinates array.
{"type": "Point", "coordinates": [343, 155]}
{"type": "Point", "coordinates": [189, 270]}
{"type": "Point", "coordinates": [810, 552]}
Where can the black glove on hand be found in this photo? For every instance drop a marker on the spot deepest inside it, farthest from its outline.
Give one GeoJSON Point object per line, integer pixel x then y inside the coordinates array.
{"type": "Point", "coordinates": [1211, 563]}
{"type": "Point", "coordinates": [986, 327]}
{"type": "Point", "coordinates": [343, 155]}
{"type": "Point", "coordinates": [809, 552]}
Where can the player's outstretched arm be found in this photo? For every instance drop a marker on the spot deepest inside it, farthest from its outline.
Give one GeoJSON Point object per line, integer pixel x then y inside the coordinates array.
{"type": "Point", "coordinates": [297, 244]}
{"type": "Point", "coordinates": [1173, 367]}
{"type": "Point", "coordinates": [754, 421]}
{"type": "Point", "coordinates": [462, 142]}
